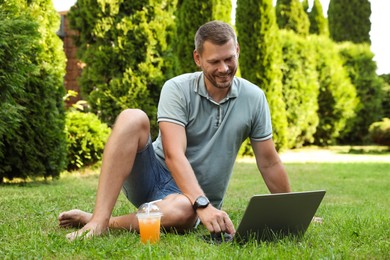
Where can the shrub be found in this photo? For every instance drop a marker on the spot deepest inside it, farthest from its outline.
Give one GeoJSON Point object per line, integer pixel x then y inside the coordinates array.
{"type": "Point", "coordinates": [261, 57]}
{"type": "Point", "coordinates": [86, 137]}
{"type": "Point", "coordinates": [32, 68]}
{"type": "Point", "coordinates": [361, 68]}
{"type": "Point", "coordinates": [386, 94]}
{"type": "Point", "coordinates": [380, 132]}
{"type": "Point", "coordinates": [125, 46]}
{"type": "Point", "coordinates": [349, 20]}
{"type": "Point", "coordinates": [17, 35]}
{"type": "Point", "coordinates": [291, 16]}
{"type": "Point", "coordinates": [337, 99]}
{"type": "Point", "coordinates": [186, 28]}
{"type": "Point", "coordinates": [300, 89]}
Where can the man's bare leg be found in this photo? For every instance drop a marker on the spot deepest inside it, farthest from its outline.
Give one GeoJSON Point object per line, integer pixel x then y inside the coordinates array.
{"type": "Point", "coordinates": [177, 214]}
{"type": "Point", "coordinates": [130, 135]}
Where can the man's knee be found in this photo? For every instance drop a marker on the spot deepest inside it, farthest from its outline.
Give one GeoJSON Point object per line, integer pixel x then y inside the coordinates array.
{"type": "Point", "coordinates": [133, 116]}
{"type": "Point", "coordinates": [134, 121]}
{"type": "Point", "coordinates": [179, 212]}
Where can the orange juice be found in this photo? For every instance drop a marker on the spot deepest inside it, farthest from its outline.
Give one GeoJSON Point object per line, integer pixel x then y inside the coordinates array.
{"type": "Point", "coordinates": [149, 227]}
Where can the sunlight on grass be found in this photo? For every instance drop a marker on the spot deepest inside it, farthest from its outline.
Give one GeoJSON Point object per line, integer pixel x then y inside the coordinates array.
{"type": "Point", "coordinates": [355, 212]}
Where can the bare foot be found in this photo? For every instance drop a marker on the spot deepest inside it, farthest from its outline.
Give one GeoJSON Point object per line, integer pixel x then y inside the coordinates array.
{"type": "Point", "coordinates": [74, 218]}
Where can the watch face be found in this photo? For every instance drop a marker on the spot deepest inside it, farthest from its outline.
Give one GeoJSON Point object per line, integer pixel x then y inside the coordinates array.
{"type": "Point", "coordinates": [202, 201]}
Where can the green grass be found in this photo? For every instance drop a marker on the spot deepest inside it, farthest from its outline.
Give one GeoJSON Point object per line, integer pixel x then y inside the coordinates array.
{"type": "Point", "coordinates": [356, 213]}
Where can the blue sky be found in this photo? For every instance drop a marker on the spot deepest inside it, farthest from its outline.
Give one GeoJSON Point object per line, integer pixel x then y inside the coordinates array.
{"type": "Point", "coordinates": [380, 37]}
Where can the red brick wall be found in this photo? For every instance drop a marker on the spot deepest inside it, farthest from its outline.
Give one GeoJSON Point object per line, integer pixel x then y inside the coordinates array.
{"type": "Point", "coordinates": [73, 66]}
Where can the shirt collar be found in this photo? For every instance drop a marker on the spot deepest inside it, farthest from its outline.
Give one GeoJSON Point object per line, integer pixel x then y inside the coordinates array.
{"type": "Point", "coordinates": [200, 88]}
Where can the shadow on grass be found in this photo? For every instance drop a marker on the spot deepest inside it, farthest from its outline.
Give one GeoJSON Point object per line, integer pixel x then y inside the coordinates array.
{"type": "Point", "coordinates": [366, 150]}
{"type": "Point", "coordinates": [17, 182]}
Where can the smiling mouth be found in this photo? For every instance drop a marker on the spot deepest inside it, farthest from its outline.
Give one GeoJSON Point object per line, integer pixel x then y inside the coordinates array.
{"type": "Point", "coordinates": [224, 77]}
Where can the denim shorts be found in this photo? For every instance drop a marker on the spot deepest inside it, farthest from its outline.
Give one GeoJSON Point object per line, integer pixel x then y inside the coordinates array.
{"type": "Point", "coordinates": [149, 179]}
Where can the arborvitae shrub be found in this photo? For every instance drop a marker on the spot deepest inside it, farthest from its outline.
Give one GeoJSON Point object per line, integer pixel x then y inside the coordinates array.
{"type": "Point", "coordinates": [337, 99]}
{"type": "Point", "coordinates": [126, 48]}
{"type": "Point", "coordinates": [291, 15]}
{"type": "Point", "coordinates": [261, 58]}
{"type": "Point", "coordinates": [34, 145]}
{"type": "Point", "coordinates": [86, 138]}
{"type": "Point", "coordinates": [386, 94]}
{"type": "Point", "coordinates": [318, 23]}
{"type": "Point", "coordinates": [17, 36]}
{"type": "Point", "coordinates": [349, 20]}
{"type": "Point", "coordinates": [200, 12]}
{"type": "Point", "coordinates": [380, 132]}
{"type": "Point", "coordinates": [300, 88]}
{"type": "Point", "coordinates": [358, 62]}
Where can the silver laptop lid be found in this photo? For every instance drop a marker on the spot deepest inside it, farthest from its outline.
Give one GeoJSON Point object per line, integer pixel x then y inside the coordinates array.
{"type": "Point", "coordinates": [272, 216]}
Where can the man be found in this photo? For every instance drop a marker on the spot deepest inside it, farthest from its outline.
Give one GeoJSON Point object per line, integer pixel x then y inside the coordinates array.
{"type": "Point", "coordinates": [203, 118]}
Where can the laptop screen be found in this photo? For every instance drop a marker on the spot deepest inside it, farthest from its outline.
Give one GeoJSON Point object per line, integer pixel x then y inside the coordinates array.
{"type": "Point", "coordinates": [272, 216]}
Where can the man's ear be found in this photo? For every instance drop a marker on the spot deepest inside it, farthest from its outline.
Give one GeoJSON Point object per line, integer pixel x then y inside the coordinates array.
{"type": "Point", "coordinates": [196, 58]}
{"type": "Point", "coordinates": [238, 50]}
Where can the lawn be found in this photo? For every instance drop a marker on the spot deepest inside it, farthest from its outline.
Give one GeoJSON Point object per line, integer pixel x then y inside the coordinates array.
{"type": "Point", "coordinates": [355, 210]}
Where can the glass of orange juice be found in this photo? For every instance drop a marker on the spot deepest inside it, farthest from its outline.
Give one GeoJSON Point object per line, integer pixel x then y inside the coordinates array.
{"type": "Point", "coordinates": [149, 218]}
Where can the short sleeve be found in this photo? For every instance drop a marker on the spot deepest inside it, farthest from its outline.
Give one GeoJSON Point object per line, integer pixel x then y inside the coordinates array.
{"type": "Point", "coordinates": [172, 106]}
{"type": "Point", "coordinates": [262, 124]}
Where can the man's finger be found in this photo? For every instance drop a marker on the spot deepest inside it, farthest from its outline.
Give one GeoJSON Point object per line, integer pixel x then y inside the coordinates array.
{"type": "Point", "coordinates": [229, 226]}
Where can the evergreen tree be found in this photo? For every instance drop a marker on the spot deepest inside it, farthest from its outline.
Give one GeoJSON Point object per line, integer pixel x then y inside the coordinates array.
{"type": "Point", "coordinates": [337, 99]}
{"type": "Point", "coordinates": [300, 88]}
{"type": "Point", "coordinates": [349, 20]}
{"type": "Point", "coordinates": [125, 46]}
{"type": "Point", "coordinates": [291, 16]}
{"type": "Point", "coordinates": [200, 12]}
{"type": "Point", "coordinates": [305, 5]}
{"type": "Point", "coordinates": [386, 94]}
{"type": "Point", "coordinates": [32, 67]}
{"type": "Point", "coordinates": [261, 58]}
{"type": "Point", "coordinates": [318, 23]}
{"type": "Point", "coordinates": [361, 68]}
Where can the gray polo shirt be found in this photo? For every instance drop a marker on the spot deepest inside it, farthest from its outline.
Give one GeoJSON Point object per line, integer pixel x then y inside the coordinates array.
{"type": "Point", "coordinates": [215, 131]}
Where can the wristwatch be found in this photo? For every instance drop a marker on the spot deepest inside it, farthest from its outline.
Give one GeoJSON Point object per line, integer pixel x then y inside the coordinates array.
{"type": "Point", "coordinates": [201, 202]}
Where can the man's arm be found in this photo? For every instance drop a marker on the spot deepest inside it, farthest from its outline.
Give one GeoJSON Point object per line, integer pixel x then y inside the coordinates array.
{"type": "Point", "coordinates": [271, 166]}
{"type": "Point", "coordinates": [174, 142]}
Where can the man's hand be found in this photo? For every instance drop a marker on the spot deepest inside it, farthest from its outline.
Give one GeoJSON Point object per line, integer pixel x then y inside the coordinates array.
{"type": "Point", "coordinates": [215, 220]}
{"type": "Point", "coordinates": [89, 230]}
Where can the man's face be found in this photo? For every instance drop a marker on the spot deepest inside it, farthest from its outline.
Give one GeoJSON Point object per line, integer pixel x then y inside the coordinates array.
{"type": "Point", "coordinates": [219, 63]}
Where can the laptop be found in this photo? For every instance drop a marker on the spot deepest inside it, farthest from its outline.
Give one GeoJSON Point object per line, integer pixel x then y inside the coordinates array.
{"type": "Point", "coordinates": [274, 216]}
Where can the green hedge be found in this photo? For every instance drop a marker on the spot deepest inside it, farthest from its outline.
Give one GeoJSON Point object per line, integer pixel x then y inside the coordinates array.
{"type": "Point", "coordinates": [33, 142]}
{"type": "Point", "coordinates": [361, 68]}
{"type": "Point", "coordinates": [261, 58]}
{"type": "Point", "coordinates": [337, 98]}
{"type": "Point", "coordinates": [17, 36]}
{"type": "Point", "coordinates": [125, 46]}
{"type": "Point", "coordinates": [386, 94]}
{"type": "Point", "coordinates": [86, 138]}
{"type": "Point", "coordinates": [300, 89]}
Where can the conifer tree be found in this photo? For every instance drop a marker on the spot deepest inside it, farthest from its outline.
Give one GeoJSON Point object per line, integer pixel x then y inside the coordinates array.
{"type": "Point", "coordinates": [318, 22]}
{"type": "Point", "coordinates": [349, 20]}
{"type": "Point", "coordinates": [32, 67]}
{"type": "Point", "coordinates": [361, 68]}
{"type": "Point", "coordinates": [261, 57]}
{"type": "Point", "coordinates": [126, 48]}
{"type": "Point", "coordinates": [291, 16]}
{"type": "Point", "coordinates": [190, 15]}
{"type": "Point", "coordinates": [305, 5]}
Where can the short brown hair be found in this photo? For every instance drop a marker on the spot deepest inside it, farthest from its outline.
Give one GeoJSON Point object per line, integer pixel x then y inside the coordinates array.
{"type": "Point", "coordinates": [215, 31]}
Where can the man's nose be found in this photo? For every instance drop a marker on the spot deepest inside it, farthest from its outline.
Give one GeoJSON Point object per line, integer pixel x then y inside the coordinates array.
{"type": "Point", "coordinates": [223, 67]}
